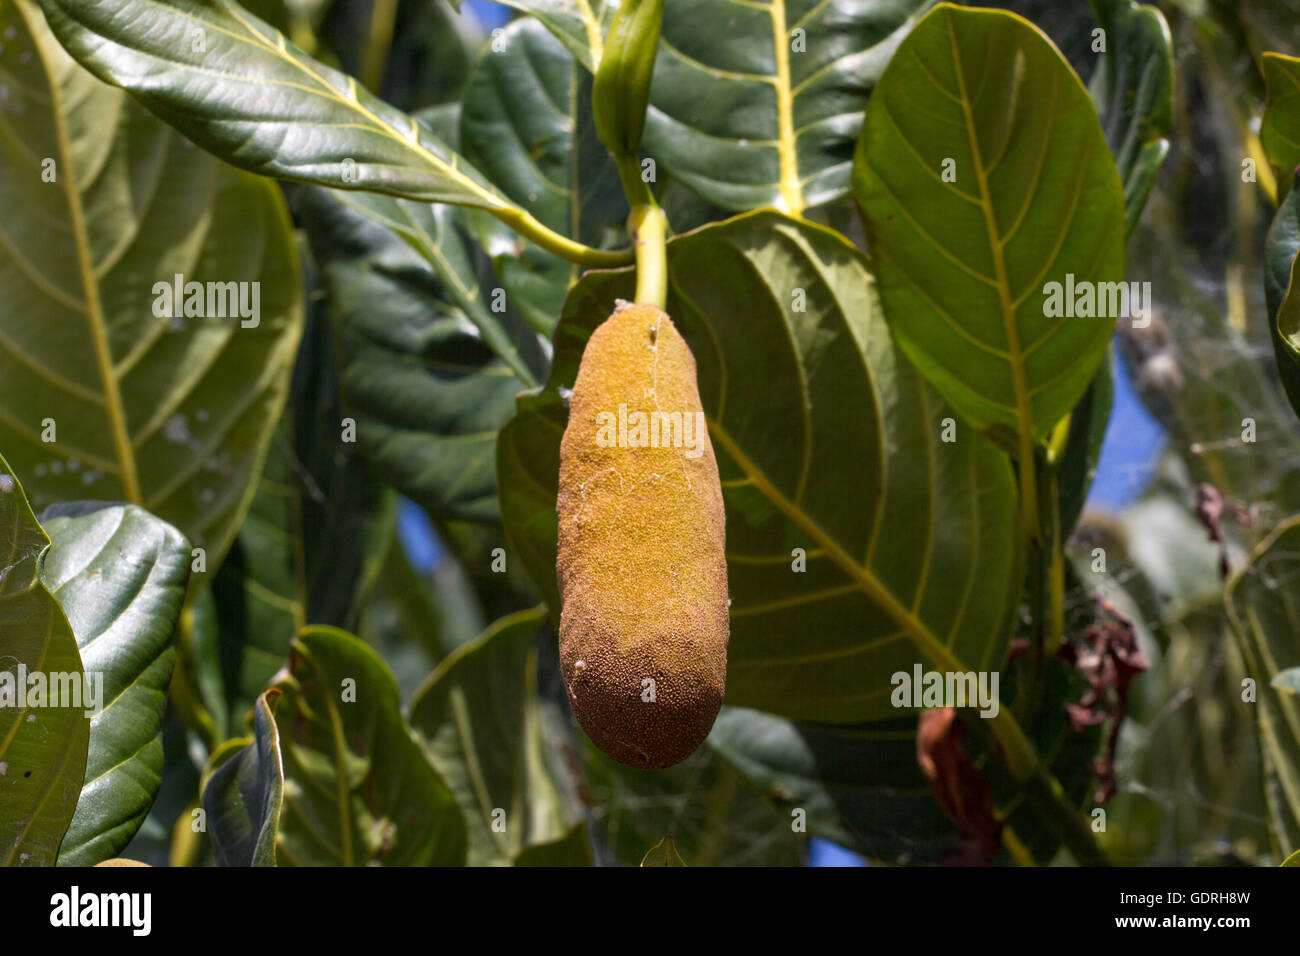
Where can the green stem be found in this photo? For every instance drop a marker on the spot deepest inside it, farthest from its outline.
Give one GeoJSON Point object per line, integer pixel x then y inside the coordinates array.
{"type": "Point", "coordinates": [1019, 852]}
{"type": "Point", "coordinates": [1040, 791]}
{"type": "Point", "coordinates": [1039, 615]}
{"type": "Point", "coordinates": [1056, 570]}
{"type": "Point", "coordinates": [1043, 791]}
{"type": "Point", "coordinates": [1047, 798]}
{"type": "Point", "coordinates": [648, 227]}
{"type": "Point", "coordinates": [1051, 517]}
{"type": "Point", "coordinates": [1028, 489]}
{"type": "Point", "coordinates": [1047, 578]}
{"type": "Point", "coordinates": [635, 188]}
{"type": "Point", "coordinates": [1047, 557]}
{"type": "Point", "coordinates": [528, 227]}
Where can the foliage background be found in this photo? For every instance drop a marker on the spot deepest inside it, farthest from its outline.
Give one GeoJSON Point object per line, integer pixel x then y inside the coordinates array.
{"type": "Point", "coordinates": [395, 549]}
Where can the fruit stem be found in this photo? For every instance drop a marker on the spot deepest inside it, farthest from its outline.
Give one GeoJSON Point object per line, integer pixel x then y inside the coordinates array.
{"type": "Point", "coordinates": [648, 227]}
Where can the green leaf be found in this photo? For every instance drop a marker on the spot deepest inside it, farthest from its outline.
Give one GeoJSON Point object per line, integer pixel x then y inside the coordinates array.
{"type": "Point", "coordinates": [1282, 293]}
{"type": "Point", "coordinates": [357, 789]}
{"type": "Point", "coordinates": [478, 719]}
{"type": "Point", "coordinates": [241, 90]}
{"type": "Point", "coordinates": [426, 394]}
{"type": "Point", "coordinates": [306, 551]}
{"type": "Point", "coordinates": [860, 787]}
{"type": "Point", "coordinates": [424, 62]}
{"type": "Point", "coordinates": [169, 414]}
{"type": "Point", "coordinates": [572, 849]}
{"type": "Point", "coordinates": [526, 122]}
{"type": "Point", "coordinates": [42, 749]}
{"type": "Point", "coordinates": [434, 233]}
{"type": "Point", "coordinates": [120, 575]}
{"type": "Point", "coordinates": [1068, 754]}
{"type": "Point", "coordinates": [748, 112]}
{"type": "Point", "coordinates": [167, 835]}
{"type": "Point", "coordinates": [1280, 132]}
{"type": "Point", "coordinates": [1266, 622]}
{"type": "Point", "coordinates": [578, 24]}
{"type": "Point", "coordinates": [346, 514]}
{"type": "Point", "coordinates": [962, 265]}
{"type": "Point", "coordinates": [663, 853]}
{"type": "Point", "coordinates": [258, 599]}
{"type": "Point", "coordinates": [1133, 88]}
{"type": "Point", "coordinates": [1292, 860]}
{"type": "Point", "coordinates": [909, 541]}
{"type": "Point", "coordinates": [244, 794]}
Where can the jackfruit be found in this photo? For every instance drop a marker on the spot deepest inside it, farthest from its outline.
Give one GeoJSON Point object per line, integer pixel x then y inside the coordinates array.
{"type": "Point", "coordinates": [642, 565]}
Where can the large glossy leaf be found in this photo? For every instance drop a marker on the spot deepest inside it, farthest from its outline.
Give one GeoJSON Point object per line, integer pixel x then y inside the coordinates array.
{"type": "Point", "coordinates": [412, 55]}
{"type": "Point", "coordinates": [1280, 132]}
{"type": "Point", "coordinates": [346, 514]}
{"type": "Point", "coordinates": [759, 104]}
{"type": "Point", "coordinates": [860, 787]}
{"type": "Point", "coordinates": [306, 551]}
{"type": "Point", "coordinates": [963, 265]}
{"type": "Point", "coordinates": [101, 396]}
{"type": "Point", "coordinates": [120, 575]}
{"type": "Point", "coordinates": [526, 122]}
{"type": "Point", "coordinates": [434, 233]}
{"type": "Point", "coordinates": [244, 794]}
{"type": "Point", "coordinates": [168, 835]}
{"type": "Point", "coordinates": [426, 394]}
{"type": "Point", "coordinates": [827, 441]}
{"type": "Point", "coordinates": [579, 24]}
{"type": "Point", "coordinates": [479, 722]}
{"type": "Point", "coordinates": [42, 748]}
{"type": "Point", "coordinates": [1133, 87]}
{"type": "Point", "coordinates": [238, 88]}
{"type": "Point", "coordinates": [357, 788]}
{"type": "Point", "coordinates": [1266, 619]}
{"type": "Point", "coordinates": [258, 599]}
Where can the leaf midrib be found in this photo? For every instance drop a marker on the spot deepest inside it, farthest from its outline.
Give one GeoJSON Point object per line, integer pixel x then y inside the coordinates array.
{"type": "Point", "coordinates": [595, 42]}
{"type": "Point", "coordinates": [1015, 358]}
{"type": "Point", "coordinates": [921, 635]}
{"type": "Point", "coordinates": [85, 268]}
{"type": "Point", "coordinates": [787, 149]}
{"type": "Point", "coordinates": [327, 91]}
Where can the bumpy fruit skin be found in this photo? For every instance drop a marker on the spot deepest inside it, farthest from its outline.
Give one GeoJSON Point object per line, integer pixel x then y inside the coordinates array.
{"type": "Point", "coordinates": [642, 552]}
